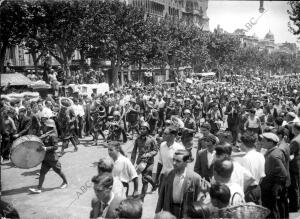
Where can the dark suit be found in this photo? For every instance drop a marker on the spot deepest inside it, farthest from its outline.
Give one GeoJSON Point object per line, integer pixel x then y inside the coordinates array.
{"type": "Point", "coordinates": [97, 208]}
{"type": "Point", "coordinates": [273, 185]}
{"type": "Point", "coordinates": [88, 120]}
{"type": "Point", "coordinates": [294, 189]}
{"type": "Point", "coordinates": [201, 165]}
{"type": "Point", "coordinates": [233, 121]}
{"type": "Point", "coordinates": [191, 188]}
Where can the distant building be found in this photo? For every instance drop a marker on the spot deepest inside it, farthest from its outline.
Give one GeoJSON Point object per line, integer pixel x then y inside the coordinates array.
{"type": "Point", "coordinates": [267, 43]}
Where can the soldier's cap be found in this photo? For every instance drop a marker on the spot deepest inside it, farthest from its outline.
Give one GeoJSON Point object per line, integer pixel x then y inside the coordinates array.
{"type": "Point", "coordinates": [211, 138]}
{"type": "Point", "coordinates": [292, 114]}
{"type": "Point", "coordinates": [22, 109]}
{"type": "Point", "coordinates": [270, 136]}
{"type": "Point", "coordinates": [187, 111]}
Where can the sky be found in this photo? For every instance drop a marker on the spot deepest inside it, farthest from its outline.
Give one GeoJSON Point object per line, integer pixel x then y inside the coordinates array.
{"type": "Point", "coordinates": [231, 15]}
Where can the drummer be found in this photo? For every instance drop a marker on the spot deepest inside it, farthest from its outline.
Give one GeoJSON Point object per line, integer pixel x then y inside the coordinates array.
{"type": "Point", "coordinates": [50, 140]}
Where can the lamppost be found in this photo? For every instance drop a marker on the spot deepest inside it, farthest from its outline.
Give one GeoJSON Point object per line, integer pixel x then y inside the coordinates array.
{"type": "Point", "coordinates": [261, 6]}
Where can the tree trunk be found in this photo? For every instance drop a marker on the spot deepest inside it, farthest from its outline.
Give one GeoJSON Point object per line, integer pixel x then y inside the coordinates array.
{"type": "Point", "coordinates": [66, 66]}
{"type": "Point", "coordinates": [2, 57]}
{"type": "Point", "coordinates": [115, 71]}
{"type": "Point", "coordinates": [64, 61]}
{"type": "Point", "coordinates": [82, 62]}
{"type": "Point", "coordinates": [35, 62]}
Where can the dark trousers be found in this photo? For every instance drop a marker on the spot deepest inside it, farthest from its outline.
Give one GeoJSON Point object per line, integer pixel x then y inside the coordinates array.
{"type": "Point", "coordinates": [293, 193]}
{"type": "Point", "coordinates": [253, 194]}
{"type": "Point", "coordinates": [126, 185]}
{"type": "Point", "coordinates": [276, 204]}
{"type": "Point", "coordinates": [80, 126]}
{"type": "Point", "coordinates": [161, 181]}
{"type": "Point", "coordinates": [161, 121]}
{"type": "Point", "coordinates": [176, 210]}
{"type": "Point", "coordinates": [6, 145]}
{"type": "Point", "coordinates": [234, 132]}
{"type": "Point", "coordinates": [125, 123]}
{"type": "Point", "coordinates": [88, 125]}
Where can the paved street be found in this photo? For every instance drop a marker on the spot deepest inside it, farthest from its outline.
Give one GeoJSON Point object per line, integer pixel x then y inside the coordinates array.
{"type": "Point", "coordinates": [72, 202]}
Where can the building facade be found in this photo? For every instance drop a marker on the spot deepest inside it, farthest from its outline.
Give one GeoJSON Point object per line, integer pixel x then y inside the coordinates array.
{"type": "Point", "coordinates": [267, 43]}
{"type": "Point", "coordinates": [192, 11]}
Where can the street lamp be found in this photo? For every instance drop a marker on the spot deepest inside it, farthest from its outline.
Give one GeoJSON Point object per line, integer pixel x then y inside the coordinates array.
{"type": "Point", "coordinates": [261, 6]}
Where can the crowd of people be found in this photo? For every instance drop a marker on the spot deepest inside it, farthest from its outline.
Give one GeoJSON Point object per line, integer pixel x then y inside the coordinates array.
{"type": "Point", "coordinates": [259, 119]}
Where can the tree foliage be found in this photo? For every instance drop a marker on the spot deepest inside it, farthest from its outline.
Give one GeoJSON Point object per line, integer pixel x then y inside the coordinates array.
{"type": "Point", "coordinates": [12, 26]}
{"type": "Point", "coordinates": [112, 30]}
{"type": "Point", "coordinates": [294, 13]}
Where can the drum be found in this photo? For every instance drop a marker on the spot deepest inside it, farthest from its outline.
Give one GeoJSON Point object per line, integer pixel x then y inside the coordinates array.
{"type": "Point", "coordinates": [24, 152]}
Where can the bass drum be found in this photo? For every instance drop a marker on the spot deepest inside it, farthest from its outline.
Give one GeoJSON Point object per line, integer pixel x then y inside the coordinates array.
{"type": "Point", "coordinates": [24, 152]}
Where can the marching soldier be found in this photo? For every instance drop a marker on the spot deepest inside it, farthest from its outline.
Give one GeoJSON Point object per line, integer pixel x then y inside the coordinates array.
{"type": "Point", "coordinates": [146, 148]}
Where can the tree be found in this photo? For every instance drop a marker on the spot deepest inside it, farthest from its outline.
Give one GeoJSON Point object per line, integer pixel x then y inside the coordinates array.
{"type": "Point", "coordinates": [222, 48]}
{"type": "Point", "coordinates": [32, 40]}
{"type": "Point", "coordinates": [294, 17]}
{"type": "Point", "coordinates": [62, 29]}
{"type": "Point", "coordinates": [116, 26]}
{"type": "Point", "coordinates": [12, 26]}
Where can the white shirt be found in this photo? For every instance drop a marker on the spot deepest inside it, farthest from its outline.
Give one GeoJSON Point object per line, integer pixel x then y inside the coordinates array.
{"type": "Point", "coordinates": [160, 104]}
{"type": "Point", "coordinates": [78, 110]}
{"type": "Point", "coordinates": [259, 112]}
{"type": "Point", "coordinates": [118, 188]}
{"type": "Point", "coordinates": [255, 163]}
{"type": "Point", "coordinates": [124, 169]}
{"type": "Point", "coordinates": [240, 175]}
{"type": "Point", "coordinates": [177, 187]}
{"type": "Point", "coordinates": [210, 157]}
{"type": "Point", "coordinates": [46, 112]}
{"type": "Point", "coordinates": [166, 154]}
{"type": "Point", "coordinates": [122, 102]}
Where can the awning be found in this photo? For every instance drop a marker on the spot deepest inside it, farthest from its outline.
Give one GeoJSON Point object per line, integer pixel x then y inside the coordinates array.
{"type": "Point", "coordinates": [15, 79]}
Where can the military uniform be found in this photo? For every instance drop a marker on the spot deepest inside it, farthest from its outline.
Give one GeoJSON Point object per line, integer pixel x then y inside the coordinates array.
{"type": "Point", "coordinates": [51, 157]}
{"type": "Point", "coordinates": [145, 146]}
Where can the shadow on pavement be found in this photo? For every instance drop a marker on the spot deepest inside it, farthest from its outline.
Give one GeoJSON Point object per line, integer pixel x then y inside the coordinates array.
{"type": "Point", "coordinates": [9, 165]}
{"type": "Point", "coordinates": [23, 190]}
{"type": "Point", "coordinates": [30, 173]}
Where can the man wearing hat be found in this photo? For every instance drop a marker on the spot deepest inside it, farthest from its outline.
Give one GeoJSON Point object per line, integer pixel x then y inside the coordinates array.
{"type": "Point", "coordinates": [145, 147]}
{"type": "Point", "coordinates": [205, 131]}
{"type": "Point", "coordinates": [290, 119]}
{"type": "Point", "coordinates": [161, 105]}
{"type": "Point", "coordinates": [188, 130]}
{"type": "Point", "coordinates": [273, 185]}
{"type": "Point", "coordinates": [204, 158]}
{"type": "Point", "coordinates": [50, 141]}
